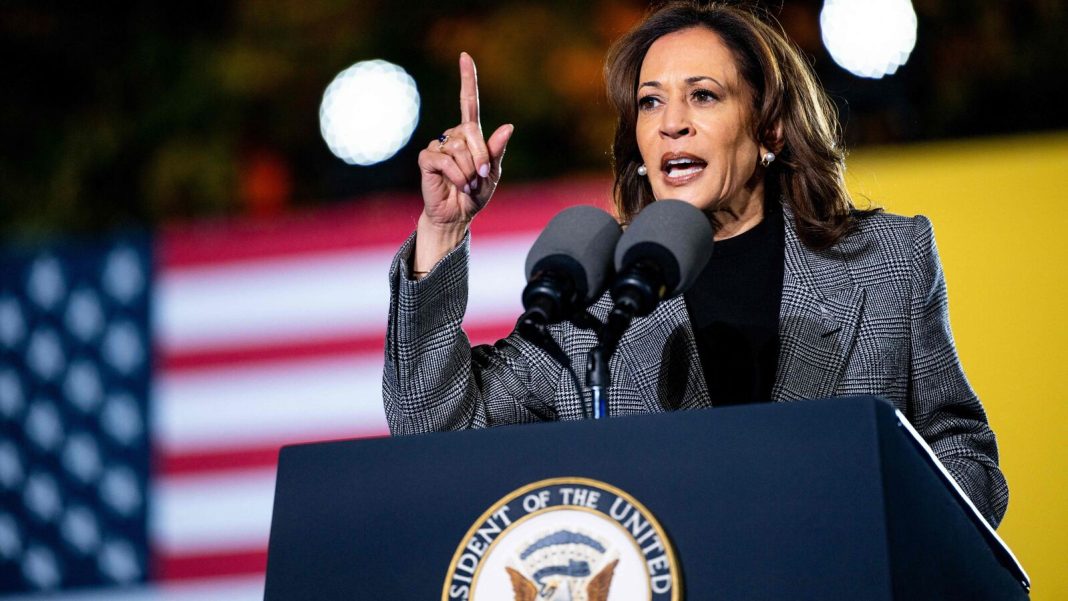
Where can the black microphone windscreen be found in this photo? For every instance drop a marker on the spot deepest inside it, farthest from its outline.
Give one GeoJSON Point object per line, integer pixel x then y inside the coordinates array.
{"type": "Point", "coordinates": [673, 234]}
{"type": "Point", "coordinates": [580, 237]}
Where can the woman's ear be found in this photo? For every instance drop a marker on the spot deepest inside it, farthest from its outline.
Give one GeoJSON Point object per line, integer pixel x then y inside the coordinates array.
{"type": "Point", "coordinates": [773, 138]}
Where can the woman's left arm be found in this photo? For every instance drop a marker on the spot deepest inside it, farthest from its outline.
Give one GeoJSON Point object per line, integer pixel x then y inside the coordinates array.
{"type": "Point", "coordinates": [942, 405]}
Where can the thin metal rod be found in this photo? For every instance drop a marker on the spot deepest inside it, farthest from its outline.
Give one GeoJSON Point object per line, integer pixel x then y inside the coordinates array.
{"type": "Point", "coordinates": [600, 402]}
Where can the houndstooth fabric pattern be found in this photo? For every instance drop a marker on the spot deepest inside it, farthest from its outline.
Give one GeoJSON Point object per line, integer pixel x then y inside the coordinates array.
{"type": "Point", "coordinates": [868, 316]}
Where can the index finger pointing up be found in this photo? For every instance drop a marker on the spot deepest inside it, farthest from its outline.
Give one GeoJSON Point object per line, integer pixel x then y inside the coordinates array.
{"type": "Point", "coordinates": [468, 89]}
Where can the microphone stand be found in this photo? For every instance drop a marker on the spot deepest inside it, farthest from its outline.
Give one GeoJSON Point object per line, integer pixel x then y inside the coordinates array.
{"type": "Point", "coordinates": [598, 378]}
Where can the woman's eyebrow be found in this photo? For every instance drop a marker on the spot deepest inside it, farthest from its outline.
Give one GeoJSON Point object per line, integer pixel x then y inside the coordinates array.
{"type": "Point", "coordinates": [689, 80]}
{"type": "Point", "coordinates": [697, 78]}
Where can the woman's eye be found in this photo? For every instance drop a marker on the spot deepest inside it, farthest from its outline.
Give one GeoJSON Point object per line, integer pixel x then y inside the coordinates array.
{"type": "Point", "coordinates": [647, 102]}
{"type": "Point", "coordinates": [704, 96]}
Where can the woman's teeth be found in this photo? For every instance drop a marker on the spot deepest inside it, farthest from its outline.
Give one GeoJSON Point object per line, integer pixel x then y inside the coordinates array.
{"type": "Point", "coordinates": [681, 168]}
{"type": "Point", "coordinates": [683, 171]}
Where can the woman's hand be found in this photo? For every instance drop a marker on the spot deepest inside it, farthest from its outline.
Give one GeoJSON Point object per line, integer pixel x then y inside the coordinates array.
{"type": "Point", "coordinates": [459, 176]}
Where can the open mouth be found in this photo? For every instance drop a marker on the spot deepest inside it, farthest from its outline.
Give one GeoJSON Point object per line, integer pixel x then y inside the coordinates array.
{"type": "Point", "coordinates": [682, 167]}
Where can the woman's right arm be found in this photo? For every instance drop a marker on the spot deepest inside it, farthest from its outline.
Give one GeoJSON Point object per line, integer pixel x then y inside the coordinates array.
{"type": "Point", "coordinates": [433, 380]}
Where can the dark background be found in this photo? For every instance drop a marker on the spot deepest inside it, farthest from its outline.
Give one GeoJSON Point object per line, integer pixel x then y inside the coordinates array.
{"type": "Point", "coordinates": [135, 113]}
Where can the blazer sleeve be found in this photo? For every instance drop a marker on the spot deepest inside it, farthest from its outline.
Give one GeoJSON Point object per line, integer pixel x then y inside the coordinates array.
{"type": "Point", "coordinates": [942, 405]}
{"type": "Point", "coordinates": [433, 379]}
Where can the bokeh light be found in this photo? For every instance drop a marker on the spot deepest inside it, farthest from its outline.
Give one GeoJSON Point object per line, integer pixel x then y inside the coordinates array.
{"type": "Point", "coordinates": [869, 38]}
{"type": "Point", "coordinates": [369, 112]}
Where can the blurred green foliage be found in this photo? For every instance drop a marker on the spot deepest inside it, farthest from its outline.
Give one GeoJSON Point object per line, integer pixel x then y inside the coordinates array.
{"type": "Point", "coordinates": [134, 113]}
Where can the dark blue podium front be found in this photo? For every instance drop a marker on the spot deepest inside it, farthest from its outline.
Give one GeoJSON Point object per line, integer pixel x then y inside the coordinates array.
{"type": "Point", "coordinates": [829, 499]}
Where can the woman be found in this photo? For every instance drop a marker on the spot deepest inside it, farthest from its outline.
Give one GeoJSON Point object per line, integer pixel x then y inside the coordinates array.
{"type": "Point", "coordinates": [805, 297]}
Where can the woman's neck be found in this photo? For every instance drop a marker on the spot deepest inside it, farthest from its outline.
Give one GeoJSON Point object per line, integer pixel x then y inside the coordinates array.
{"type": "Point", "coordinates": [740, 217]}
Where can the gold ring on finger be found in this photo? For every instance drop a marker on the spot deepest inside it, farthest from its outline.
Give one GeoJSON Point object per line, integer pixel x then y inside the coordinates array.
{"type": "Point", "coordinates": [442, 139]}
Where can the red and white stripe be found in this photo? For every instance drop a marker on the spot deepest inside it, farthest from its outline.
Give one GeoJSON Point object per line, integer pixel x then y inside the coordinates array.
{"type": "Point", "coordinates": [271, 333]}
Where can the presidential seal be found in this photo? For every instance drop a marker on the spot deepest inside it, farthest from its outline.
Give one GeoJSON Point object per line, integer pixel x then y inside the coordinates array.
{"type": "Point", "coordinates": [564, 539]}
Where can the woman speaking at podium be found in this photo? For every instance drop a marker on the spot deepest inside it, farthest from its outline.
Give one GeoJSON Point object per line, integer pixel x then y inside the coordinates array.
{"type": "Point", "coordinates": [805, 296]}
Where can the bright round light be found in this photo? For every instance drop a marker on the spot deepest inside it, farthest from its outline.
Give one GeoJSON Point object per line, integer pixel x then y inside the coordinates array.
{"type": "Point", "coordinates": [369, 112]}
{"type": "Point", "coordinates": [869, 38]}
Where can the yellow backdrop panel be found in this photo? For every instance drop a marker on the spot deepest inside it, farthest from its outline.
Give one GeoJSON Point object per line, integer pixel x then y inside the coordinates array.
{"type": "Point", "coordinates": [999, 213]}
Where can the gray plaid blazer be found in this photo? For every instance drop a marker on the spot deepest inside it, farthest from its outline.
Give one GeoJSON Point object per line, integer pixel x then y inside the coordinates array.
{"type": "Point", "coordinates": [868, 316]}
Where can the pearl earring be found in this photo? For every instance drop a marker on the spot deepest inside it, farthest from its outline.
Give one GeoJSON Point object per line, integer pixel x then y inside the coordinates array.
{"type": "Point", "coordinates": [767, 158]}
{"type": "Point", "coordinates": [642, 170]}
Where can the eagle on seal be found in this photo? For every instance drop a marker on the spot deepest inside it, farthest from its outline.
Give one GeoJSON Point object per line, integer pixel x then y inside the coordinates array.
{"type": "Point", "coordinates": [561, 588]}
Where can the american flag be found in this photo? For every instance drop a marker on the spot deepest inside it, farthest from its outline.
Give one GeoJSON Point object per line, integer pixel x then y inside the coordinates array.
{"type": "Point", "coordinates": [147, 383]}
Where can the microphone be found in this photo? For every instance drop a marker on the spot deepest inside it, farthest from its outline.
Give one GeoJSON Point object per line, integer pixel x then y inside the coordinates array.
{"type": "Point", "coordinates": [568, 264]}
{"type": "Point", "coordinates": [660, 255]}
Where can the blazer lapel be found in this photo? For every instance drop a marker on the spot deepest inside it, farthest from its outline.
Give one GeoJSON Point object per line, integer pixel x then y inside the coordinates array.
{"type": "Point", "coordinates": [818, 321]}
{"type": "Point", "coordinates": [660, 352]}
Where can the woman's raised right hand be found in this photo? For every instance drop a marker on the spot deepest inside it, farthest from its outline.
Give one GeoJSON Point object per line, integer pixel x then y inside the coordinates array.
{"type": "Point", "coordinates": [459, 175]}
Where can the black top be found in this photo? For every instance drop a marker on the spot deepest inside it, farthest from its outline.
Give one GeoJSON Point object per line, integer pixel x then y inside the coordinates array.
{"type": "Point", "coordinates": [734, 307]}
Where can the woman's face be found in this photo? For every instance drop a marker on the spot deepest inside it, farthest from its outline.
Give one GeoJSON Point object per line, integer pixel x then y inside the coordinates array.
{"type": "Point", "coordinates": [694, 123]}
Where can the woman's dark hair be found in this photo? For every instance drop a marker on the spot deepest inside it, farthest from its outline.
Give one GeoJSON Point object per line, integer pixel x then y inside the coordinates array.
{"type": "Point", "coordinates": [809, 168]}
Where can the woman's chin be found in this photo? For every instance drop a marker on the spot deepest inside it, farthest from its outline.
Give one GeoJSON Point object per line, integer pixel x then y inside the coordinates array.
{"type": "Point", "coordinates": [690, 197]}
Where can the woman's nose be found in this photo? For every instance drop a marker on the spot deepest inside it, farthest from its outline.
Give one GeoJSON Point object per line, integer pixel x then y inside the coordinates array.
{"type": "Point", "coordinates": [676, 123]}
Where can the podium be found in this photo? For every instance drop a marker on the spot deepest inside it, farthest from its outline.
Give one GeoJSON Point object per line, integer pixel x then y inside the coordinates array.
{"type": "Point", "coordinates": [826, 499]}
